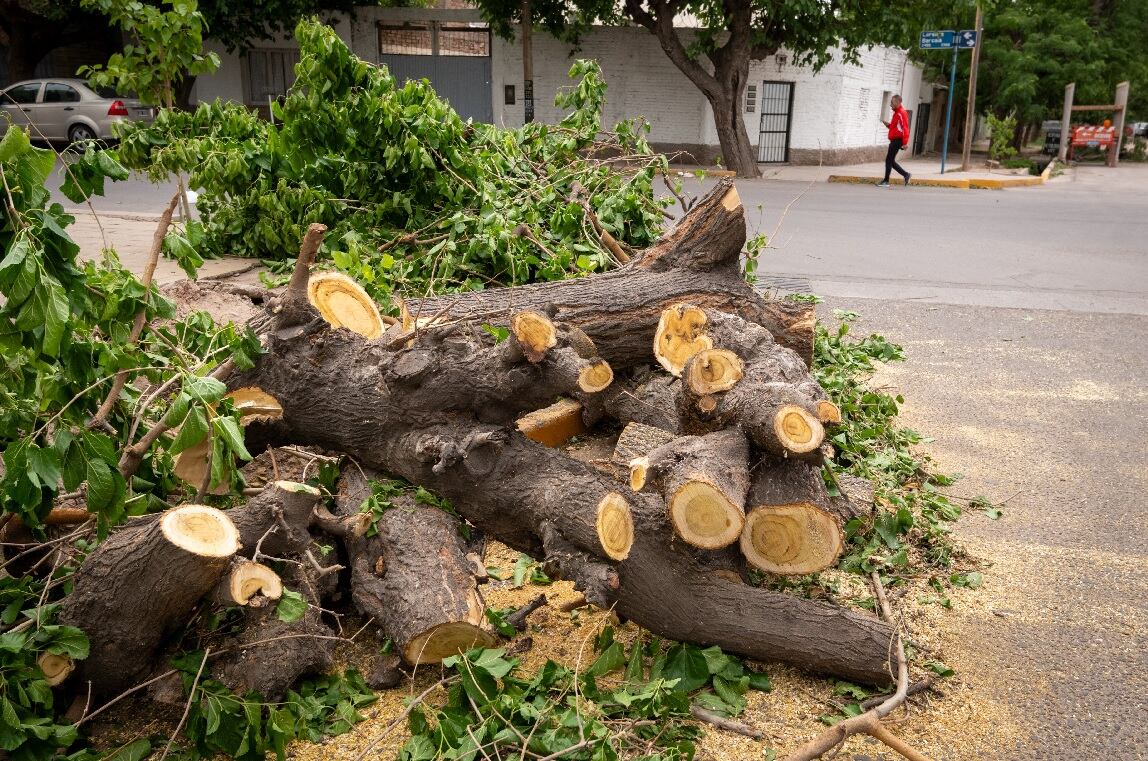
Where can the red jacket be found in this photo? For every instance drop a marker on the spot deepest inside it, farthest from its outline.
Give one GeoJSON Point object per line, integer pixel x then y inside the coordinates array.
{"type": "Point", "coordinates": [899, 126]}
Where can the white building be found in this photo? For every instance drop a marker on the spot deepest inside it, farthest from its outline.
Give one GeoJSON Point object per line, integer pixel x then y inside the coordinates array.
{"type": "Point", "coordinates": [791, 114]}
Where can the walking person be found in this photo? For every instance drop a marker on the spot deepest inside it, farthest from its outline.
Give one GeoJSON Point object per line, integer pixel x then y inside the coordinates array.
{"type": "Point", "coordinates": [898, 138]}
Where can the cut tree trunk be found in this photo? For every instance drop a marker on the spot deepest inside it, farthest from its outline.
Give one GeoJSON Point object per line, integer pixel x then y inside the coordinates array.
{"type": "Point", "coordinates": [642, 398]}
{"type": "Point", "coordinates": [415, 577]}
{"type": "Point", "coordinates": [637, 440]}
{"type": "Point", "coordinates": [698, 262]}
{"type": "Point", "coordinates": [793, 527]}
{"type": "Point", "coordinates": [703, 480]}
{"type": "Point", "coordinates": [140, 584]}
{"type": "Point", "coordinates": [276, 520]}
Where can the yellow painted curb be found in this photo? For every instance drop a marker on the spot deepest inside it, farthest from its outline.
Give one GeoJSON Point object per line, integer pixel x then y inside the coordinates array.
{"type": "Point", "coordinates": [926, 182]}
{"type": "Point", "coordinates": [1012, 182]}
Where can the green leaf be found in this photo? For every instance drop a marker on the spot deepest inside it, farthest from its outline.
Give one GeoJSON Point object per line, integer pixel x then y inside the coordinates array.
{"type": "Point", "coordinates": [44, 465]}
{"type": "Point", "coordinates": [192, 432]}
{"type": "Point", "coordinates": [14, 143]}
{"type": "Point", "coordinates": [204, 389]}
{"type": "Point", "coordinates": [611, 659]}
{"type": "Point", "coordinates": [759, 680]}
{"type": "Point", "coordinates": [291, 606]}
{"type": "Point", "coordinates": [687, 664]}
{"type": "Point", "coordinates": [939, 668]}
{"type": "Point", "coordinates": [228, 429]}
{"type": "Point", "coordinates": [137, 750]}
{"type": "Point", "coordinates": [65, 640]}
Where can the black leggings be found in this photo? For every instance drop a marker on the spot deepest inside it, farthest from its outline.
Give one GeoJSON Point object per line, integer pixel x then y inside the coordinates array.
{"type": "Point", "coordinates": [891, 159]}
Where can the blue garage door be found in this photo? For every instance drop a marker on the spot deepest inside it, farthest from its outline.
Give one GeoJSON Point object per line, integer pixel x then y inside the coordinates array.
{"type": "Point", "coordinates": [454, 57]}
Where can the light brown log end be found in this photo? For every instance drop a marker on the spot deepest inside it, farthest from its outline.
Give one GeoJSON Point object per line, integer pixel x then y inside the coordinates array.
{"type": "Point", "coordinates": [702, 515]}
{"type": "Point", "coordinates": [201, 530]}
{"type": "Point", "coordinates": [791, 539]}
{"type": "Point", "coordinates": [535, 333]}
{"type": "Point", "coordinates": [248, 579]}
{"type": "Point", "coordinates": [731, 200]}
{"type": "Point", "coordinates": [639, 469]}
{"type": "Point", "coordinates": [797, 430]}
{"type": "Point", "coordinates": [828, 412]}
{"type": "Point", "coordinates": [294, 487]}
{"type": "Point", "coordinates": [254, 404]}
{"type": "Point", "coordinates": [707, 404]}
{"type": "Point", "coordinates": [712, 371]}
{"type": "Point", "coordinates": [680, 335]}
{"type": "Point", "coordinates": [615, 526]}
{"type": "Point", "coordinates": [445, 640]}
{"type": "Point", "coordinates": [555, 424]}
{"type": "Point", "coordinates": [596, 376]}
{"type": "Point", "coordinates": [56, 668]}
{"type": "Point", "coordinates": [344, 304]}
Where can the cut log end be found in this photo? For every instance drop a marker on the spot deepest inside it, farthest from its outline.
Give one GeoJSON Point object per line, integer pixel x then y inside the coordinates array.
{"type": "Point", "coordinates": [731, 200]}
{"type": "Point", "coordinates": [445, 640]}
{"type": "Point", "coordinates": [615, 526]}
{"type": "Point", "coordinates": [201, 530]}
{"type": "Point", "coordinates": [639, 469]}
{"type": "Point", "coordinates": [704, 516]}
{"type": "Point", "coordinates": [255, 405]}
{"type": "Point", "coordinates": [791, 539]}
{"type": "Point", "coordinates": [295, 487]}
{"type": "Point", "coordinates": [797, 430]}
{"type": "Point", "coordinates": [828, 412]}
{"type": "Point", "coordinates": [553, 425]}
{"type": "Point", "coordinates": [595, 377]}
{"type": "Point", "coordinates": [712, 371]}
{"type": "Point", "coordinates": [56, 668]}
{"type": "Point", "coordinates": [535, 333]}
{"type": "Point", "coordinates": [344, 304]}
{"type": "Point", "coordinates": [249, 579]}
{"type": "Point", "coordinates": [680, 336]}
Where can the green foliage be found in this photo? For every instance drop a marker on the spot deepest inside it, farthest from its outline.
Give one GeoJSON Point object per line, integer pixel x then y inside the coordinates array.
{"type": "Point", "coordinates": [246, 728]}
{"type": "Point", "coordinates": [909, 532]}
{"type": "Point", "coordinates": [416, 199]}
{"type": "Point", "coordinates": [163, 46]}
{"type": "Point", "coordinates": [620, 705]}
{"type": "Point", "coordinates": [1002, 129]}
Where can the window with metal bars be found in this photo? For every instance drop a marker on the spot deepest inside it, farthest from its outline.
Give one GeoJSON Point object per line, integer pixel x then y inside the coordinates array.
{"type": "Point", "coordinates": [750, 99]}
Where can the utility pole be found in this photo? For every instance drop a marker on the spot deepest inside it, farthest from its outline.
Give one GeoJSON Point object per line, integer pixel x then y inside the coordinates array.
{"type": "Point", "coordinates": [527, 63]}
{"type": "Point", "coordinates": [1066, 122]}
{"type": "Point", "coordinates": [970, 115]}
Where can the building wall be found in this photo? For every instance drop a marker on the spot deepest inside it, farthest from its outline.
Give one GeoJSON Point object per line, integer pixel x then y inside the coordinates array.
{"type": "Point", "coordinates": [836, 111]}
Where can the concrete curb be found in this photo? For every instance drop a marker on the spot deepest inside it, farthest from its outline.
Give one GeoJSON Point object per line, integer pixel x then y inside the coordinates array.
{"type": "Point", "coordinates": [926, 182]}
{"type": "Point", "coordinates": [977, 183]}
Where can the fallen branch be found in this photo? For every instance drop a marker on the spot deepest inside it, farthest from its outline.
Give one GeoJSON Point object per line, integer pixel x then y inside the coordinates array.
{"type": "Point", "coordinates": [517, 619]}
{"type": "Point", "coordinates": [729, 725]}
{"type": "Point", "coordinates": [869, 722]}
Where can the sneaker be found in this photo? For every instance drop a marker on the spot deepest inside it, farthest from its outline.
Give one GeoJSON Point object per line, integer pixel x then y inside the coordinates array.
{"type": "Point", "coordinates": [908, 177]}
{"type": "Point", "coordinates": [883, 184]}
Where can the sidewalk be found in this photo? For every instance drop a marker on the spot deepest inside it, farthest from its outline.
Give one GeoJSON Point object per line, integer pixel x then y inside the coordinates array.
{"type": "Point", "coordinates": [924, 171]}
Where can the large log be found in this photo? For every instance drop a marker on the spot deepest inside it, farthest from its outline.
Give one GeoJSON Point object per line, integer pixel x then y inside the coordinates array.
{"type": "Point", "coordinates": [140, 584]}
{"type": "Point", "coordinates": [414, 577]}
{"type": "Point", "coordinates": [792, 527]}
{"type": "Point", "coordinates": [332, 389]}
{"type": "Point", "coordinates": [698, 262]}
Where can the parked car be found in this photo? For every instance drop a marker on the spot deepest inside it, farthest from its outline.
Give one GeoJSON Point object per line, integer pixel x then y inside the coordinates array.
{"type": "Point", "coordinates": [68, 109]}
{"type": "Point", "coordinates": [1140, 129]}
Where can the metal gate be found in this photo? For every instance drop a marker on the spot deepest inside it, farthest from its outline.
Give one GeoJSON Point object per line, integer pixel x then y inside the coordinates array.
{"type": "Point", "coordinates": [455, 57]}
{"type": "Point", "coordinates": [776, 113]}
{"type": "Point", "coordinates": [921, 128]}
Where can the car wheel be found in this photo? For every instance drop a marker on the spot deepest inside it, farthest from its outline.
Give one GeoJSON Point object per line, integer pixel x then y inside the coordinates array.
{"type": "Point", "coordinates": [80, 132]}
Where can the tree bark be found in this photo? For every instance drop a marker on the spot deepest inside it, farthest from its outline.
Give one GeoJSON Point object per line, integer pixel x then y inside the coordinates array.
{"type": "Point", "coordinates": [276, 520]}
{"type": "Point", "coordinates": [697, 262]}
{"type": "Point", "coordinates": [140, 584]}
{"type": "Point", "coordinates": [737, 151]}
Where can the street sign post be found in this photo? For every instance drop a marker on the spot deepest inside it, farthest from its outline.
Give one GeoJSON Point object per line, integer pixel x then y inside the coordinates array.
{"type": "Point", "coordinates": [966, 39]}
{"type": "Point", "coordinates": [937, 40]}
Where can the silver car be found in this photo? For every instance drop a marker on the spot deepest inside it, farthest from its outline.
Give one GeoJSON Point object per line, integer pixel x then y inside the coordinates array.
{"type": "Point", "coordinates": [67, 110]}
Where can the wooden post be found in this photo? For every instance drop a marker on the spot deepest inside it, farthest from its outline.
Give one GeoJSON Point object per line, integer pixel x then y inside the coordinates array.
{"type": "Point", "coordinates": [527, 64]}
{"type": "Point", "coordinates": [971, 108]}
{"type": "Point", "coordinates": [1118, 122]}
{"type": "Point", "coordinates": [1066, 122]}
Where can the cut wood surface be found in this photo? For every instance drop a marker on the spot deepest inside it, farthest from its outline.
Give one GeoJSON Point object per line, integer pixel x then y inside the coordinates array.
{"type": "Point", "coordinates": [344, 304]}
{"type": "Point", "coordinates": [141, 583]}
{"type": "Point", "coordinates": [792, 527]}
{"type": "Point", "coordinates": [555, 424]}
{"type": "Point", "coordinates": [246, 581]}
{"type": "Point", "coordinates": [638, 440]}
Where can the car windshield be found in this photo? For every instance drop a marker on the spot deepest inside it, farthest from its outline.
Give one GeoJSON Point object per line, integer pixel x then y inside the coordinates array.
{"type": "Point", "coordinates": [107, 92]}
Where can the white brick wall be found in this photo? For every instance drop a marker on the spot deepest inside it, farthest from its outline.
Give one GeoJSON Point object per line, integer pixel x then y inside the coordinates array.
{"type": "Point", "coordinates": [836, 109]}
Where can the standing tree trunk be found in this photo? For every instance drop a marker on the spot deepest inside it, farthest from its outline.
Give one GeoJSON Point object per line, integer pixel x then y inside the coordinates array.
{"type": "Point", "coordinates": [737, 151]}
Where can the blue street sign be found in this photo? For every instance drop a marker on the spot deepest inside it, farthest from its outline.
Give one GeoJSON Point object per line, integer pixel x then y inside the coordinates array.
{"type": "Point", "coordinates": [937, 40]}
{"type": "Point", "coordinates": [967, 38]}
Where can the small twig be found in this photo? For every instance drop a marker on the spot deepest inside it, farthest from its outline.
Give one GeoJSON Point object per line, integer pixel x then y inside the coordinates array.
{"type": "Point", "coordinates": [401, 717]}
{"type": "Point", "coordinates": [312, 239]}
{"type": "Point", "coordinates": [140, 319]}
{"type": "Point", "coordinates": [187, 706]}
{"type": "Point", "coordinates": [915, 688]}
{"type": "Point", "coordinates": [517, 619]}
{"type": "Point", "coordinates": [233, 273]}
{"type": "Point", "coordinates": [322, 570]}
{"type": "Point", "coordinates": [728, 725]}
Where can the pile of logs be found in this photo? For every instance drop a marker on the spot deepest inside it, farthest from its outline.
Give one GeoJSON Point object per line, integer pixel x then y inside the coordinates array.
{"type": "Point", "coordinates": [720, 435]}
